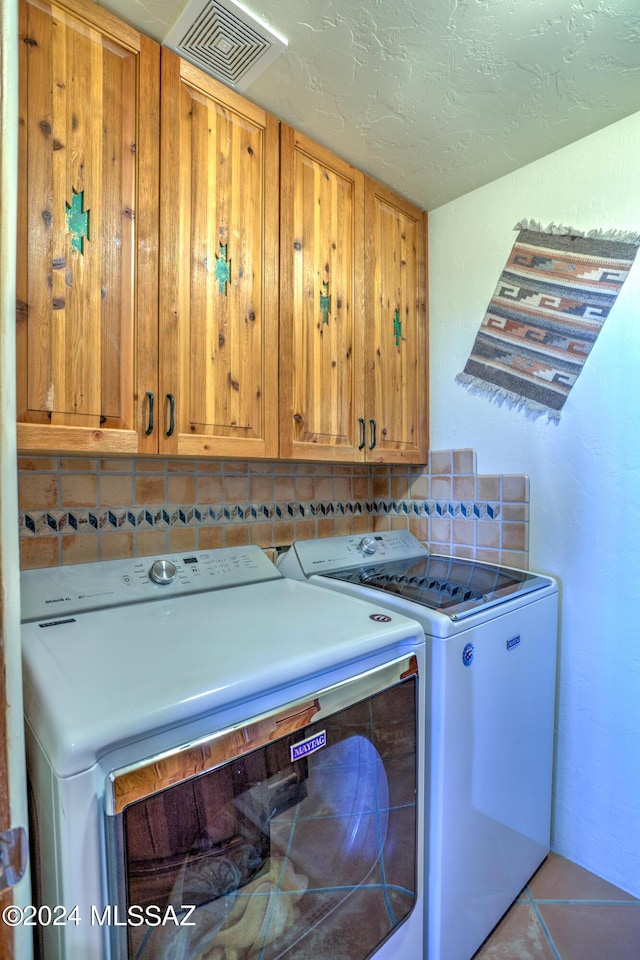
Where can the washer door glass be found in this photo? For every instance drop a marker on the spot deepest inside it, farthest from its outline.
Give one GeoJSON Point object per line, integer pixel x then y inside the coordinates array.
{"type": "Point", "coordinates": [304, 847]}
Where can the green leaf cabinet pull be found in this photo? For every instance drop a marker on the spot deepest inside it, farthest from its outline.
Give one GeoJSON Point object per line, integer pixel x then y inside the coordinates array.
{"type": "Point", "coordinates": [363, 429]}
{"type": "Point", "coordinates": [172, 407]}
{"type": "Point", "coordinates": [150, 422]}
{"type": "Point", "coordinates": [223, 269]}
{"type": "Point", "coordinates": [77, 220]}
{"type": "Point", "coordinates": [397, 327]}
{"type": "Point", "coordinates": [325, 303]}
{"type": "Point", "coordinates": [372, 424]}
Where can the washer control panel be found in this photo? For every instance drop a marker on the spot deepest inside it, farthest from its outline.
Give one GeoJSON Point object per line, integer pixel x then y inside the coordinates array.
{"type": "Point", "coordinates": [60, 591]}
{"type": "Point", "coordinates": [329, 554]}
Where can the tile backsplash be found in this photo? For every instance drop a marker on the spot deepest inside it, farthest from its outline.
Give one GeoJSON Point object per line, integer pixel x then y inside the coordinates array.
{"type": "Point", "coordinates": [73, 510]}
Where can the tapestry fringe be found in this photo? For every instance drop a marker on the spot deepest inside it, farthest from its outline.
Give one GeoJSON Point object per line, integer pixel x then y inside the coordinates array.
{"type": "Point", "coordinates": [499, 395]}
{"type": "Point", "coordinates": [560, 229]}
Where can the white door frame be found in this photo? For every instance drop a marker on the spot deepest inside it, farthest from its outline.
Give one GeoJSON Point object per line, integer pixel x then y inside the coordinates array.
{"type": "Point", "coordinates": [19, 945]}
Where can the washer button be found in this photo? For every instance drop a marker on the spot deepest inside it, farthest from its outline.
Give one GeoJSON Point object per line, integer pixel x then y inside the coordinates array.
{"type": "Point", "coordinates": [163, 572]}
{"type": "Point", "coordinates": [367, 546]}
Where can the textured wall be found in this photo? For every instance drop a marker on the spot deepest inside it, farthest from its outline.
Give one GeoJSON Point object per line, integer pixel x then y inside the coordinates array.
{"type": "Point", "coordinates": [436, 98]}
{"type": "Point", "coordinates": [585, 476]}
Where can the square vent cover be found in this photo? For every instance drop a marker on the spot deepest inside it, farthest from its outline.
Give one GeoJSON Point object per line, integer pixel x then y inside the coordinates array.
{"type": "Point", "coordinates": [224, 40]}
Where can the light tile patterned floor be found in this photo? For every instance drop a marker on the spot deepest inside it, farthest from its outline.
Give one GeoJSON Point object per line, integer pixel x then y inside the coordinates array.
{"type": "Point", "coordinates": [567, 913]}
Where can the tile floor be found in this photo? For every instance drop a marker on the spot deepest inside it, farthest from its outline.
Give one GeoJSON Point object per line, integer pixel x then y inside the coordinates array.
{"type": "Point", "coordinates": [567, 913]}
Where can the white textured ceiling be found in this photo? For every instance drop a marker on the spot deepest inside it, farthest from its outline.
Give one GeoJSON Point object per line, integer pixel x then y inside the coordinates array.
{"type": "Point", "coordinates": [437, 97]}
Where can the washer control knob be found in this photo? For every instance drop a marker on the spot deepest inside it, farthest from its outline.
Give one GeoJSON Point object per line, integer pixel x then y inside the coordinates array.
{"type": "Point", "coordinates": [367, 546]}
{"type": "Point", "coordinates": [163, 572]}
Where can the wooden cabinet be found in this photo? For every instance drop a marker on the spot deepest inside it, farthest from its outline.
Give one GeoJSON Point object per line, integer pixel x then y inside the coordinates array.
{"type": "Point", "coordinates": [155, 314]}
{"type": "Point", "coordinates": [87, 230]}
{"type": "Point", "coordinates": [321, 303]}
{"type": "Point", "coordinates": [396, 388]}
{"type": "Point", "coordinates": [219, 269]}
{"type": "Point", "coordinates": [352, 313]}
{"type": "Point", "coordinates": [114, 356]}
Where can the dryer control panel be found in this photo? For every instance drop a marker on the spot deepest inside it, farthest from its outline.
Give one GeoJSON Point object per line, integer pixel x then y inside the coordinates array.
{"type": "Point", "coordinates": [328, 554]}
{"type": "Point", "coordinates": [55, 591]}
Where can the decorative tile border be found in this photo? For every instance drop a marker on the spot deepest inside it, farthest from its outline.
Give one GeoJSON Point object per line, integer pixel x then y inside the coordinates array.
{"type": "Point", "coordinates": [78, 520]}
{"type": "Point", "coordinates": [75, 510]}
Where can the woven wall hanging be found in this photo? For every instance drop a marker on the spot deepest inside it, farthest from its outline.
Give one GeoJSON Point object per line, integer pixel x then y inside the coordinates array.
{"type": "Point", "coordinates": [552, 299]}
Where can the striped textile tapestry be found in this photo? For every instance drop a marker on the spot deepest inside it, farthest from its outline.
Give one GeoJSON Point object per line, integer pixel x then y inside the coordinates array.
{"type": "Point", "coordinates": [555, 292]}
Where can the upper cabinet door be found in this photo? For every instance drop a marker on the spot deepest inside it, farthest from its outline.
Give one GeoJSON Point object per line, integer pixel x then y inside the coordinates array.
{"type": "Point", "coordinates": [321, 332]}
{"type": "Point", "coordinates": [87, 230]}
{"type": "Point", "coordinates": [219, 261]}
{"type": "Point", "coordinates": [396, 342]}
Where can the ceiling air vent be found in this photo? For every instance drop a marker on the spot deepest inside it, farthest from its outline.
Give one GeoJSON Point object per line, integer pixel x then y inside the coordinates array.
{"type": "Point", "coordinates": [225, 40]}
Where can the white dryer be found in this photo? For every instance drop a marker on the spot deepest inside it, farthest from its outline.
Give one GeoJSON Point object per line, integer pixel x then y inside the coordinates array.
{"type": "Point", "coordinates": [491, 647]}
{"type": "Point", "coordinates": [222, 762]}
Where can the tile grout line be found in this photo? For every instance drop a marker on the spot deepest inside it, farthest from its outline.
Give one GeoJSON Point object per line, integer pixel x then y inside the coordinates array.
{"type": "Point", "coordinates": [545, 929]}
{"type": "Point", "coordinates": [592, 903]}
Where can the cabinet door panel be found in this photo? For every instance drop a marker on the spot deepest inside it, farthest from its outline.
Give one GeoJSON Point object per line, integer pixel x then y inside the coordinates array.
{"type": "Point", "coordinates": [320, 303]}
{"type": "Point", "coordinates": [396, 343]}
{"type": "Point", "coordinates": [87, 231]}
{"type": "Point", "coordinates": [218, 292]}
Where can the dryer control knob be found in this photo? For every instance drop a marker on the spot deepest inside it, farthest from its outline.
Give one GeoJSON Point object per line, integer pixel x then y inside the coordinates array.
{"type": "Point", "coordinates": [163, 572]}
{"type": "Point", "coordinates": [367, 546]}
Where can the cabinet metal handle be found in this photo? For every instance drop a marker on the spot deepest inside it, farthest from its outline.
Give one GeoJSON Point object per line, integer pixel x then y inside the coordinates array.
{"type": "Point", "coordinates": [150, 421]}
{"type": "Point", "coordinates": [372, 424]}
{"type": "Point", "coordinates": [363, 431]}
{"type": "Point", "coordinates": [172, 408]}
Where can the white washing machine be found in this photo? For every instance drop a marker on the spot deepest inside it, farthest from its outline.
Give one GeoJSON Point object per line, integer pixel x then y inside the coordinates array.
{"type": "Point", "coordinates": [491, 646]}
{"type": "Point", "coordinates": [223, 763]}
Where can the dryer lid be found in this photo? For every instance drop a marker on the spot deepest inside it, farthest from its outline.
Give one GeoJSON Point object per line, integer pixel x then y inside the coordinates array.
{"type": "Point", "coordinates": [99, 679]}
